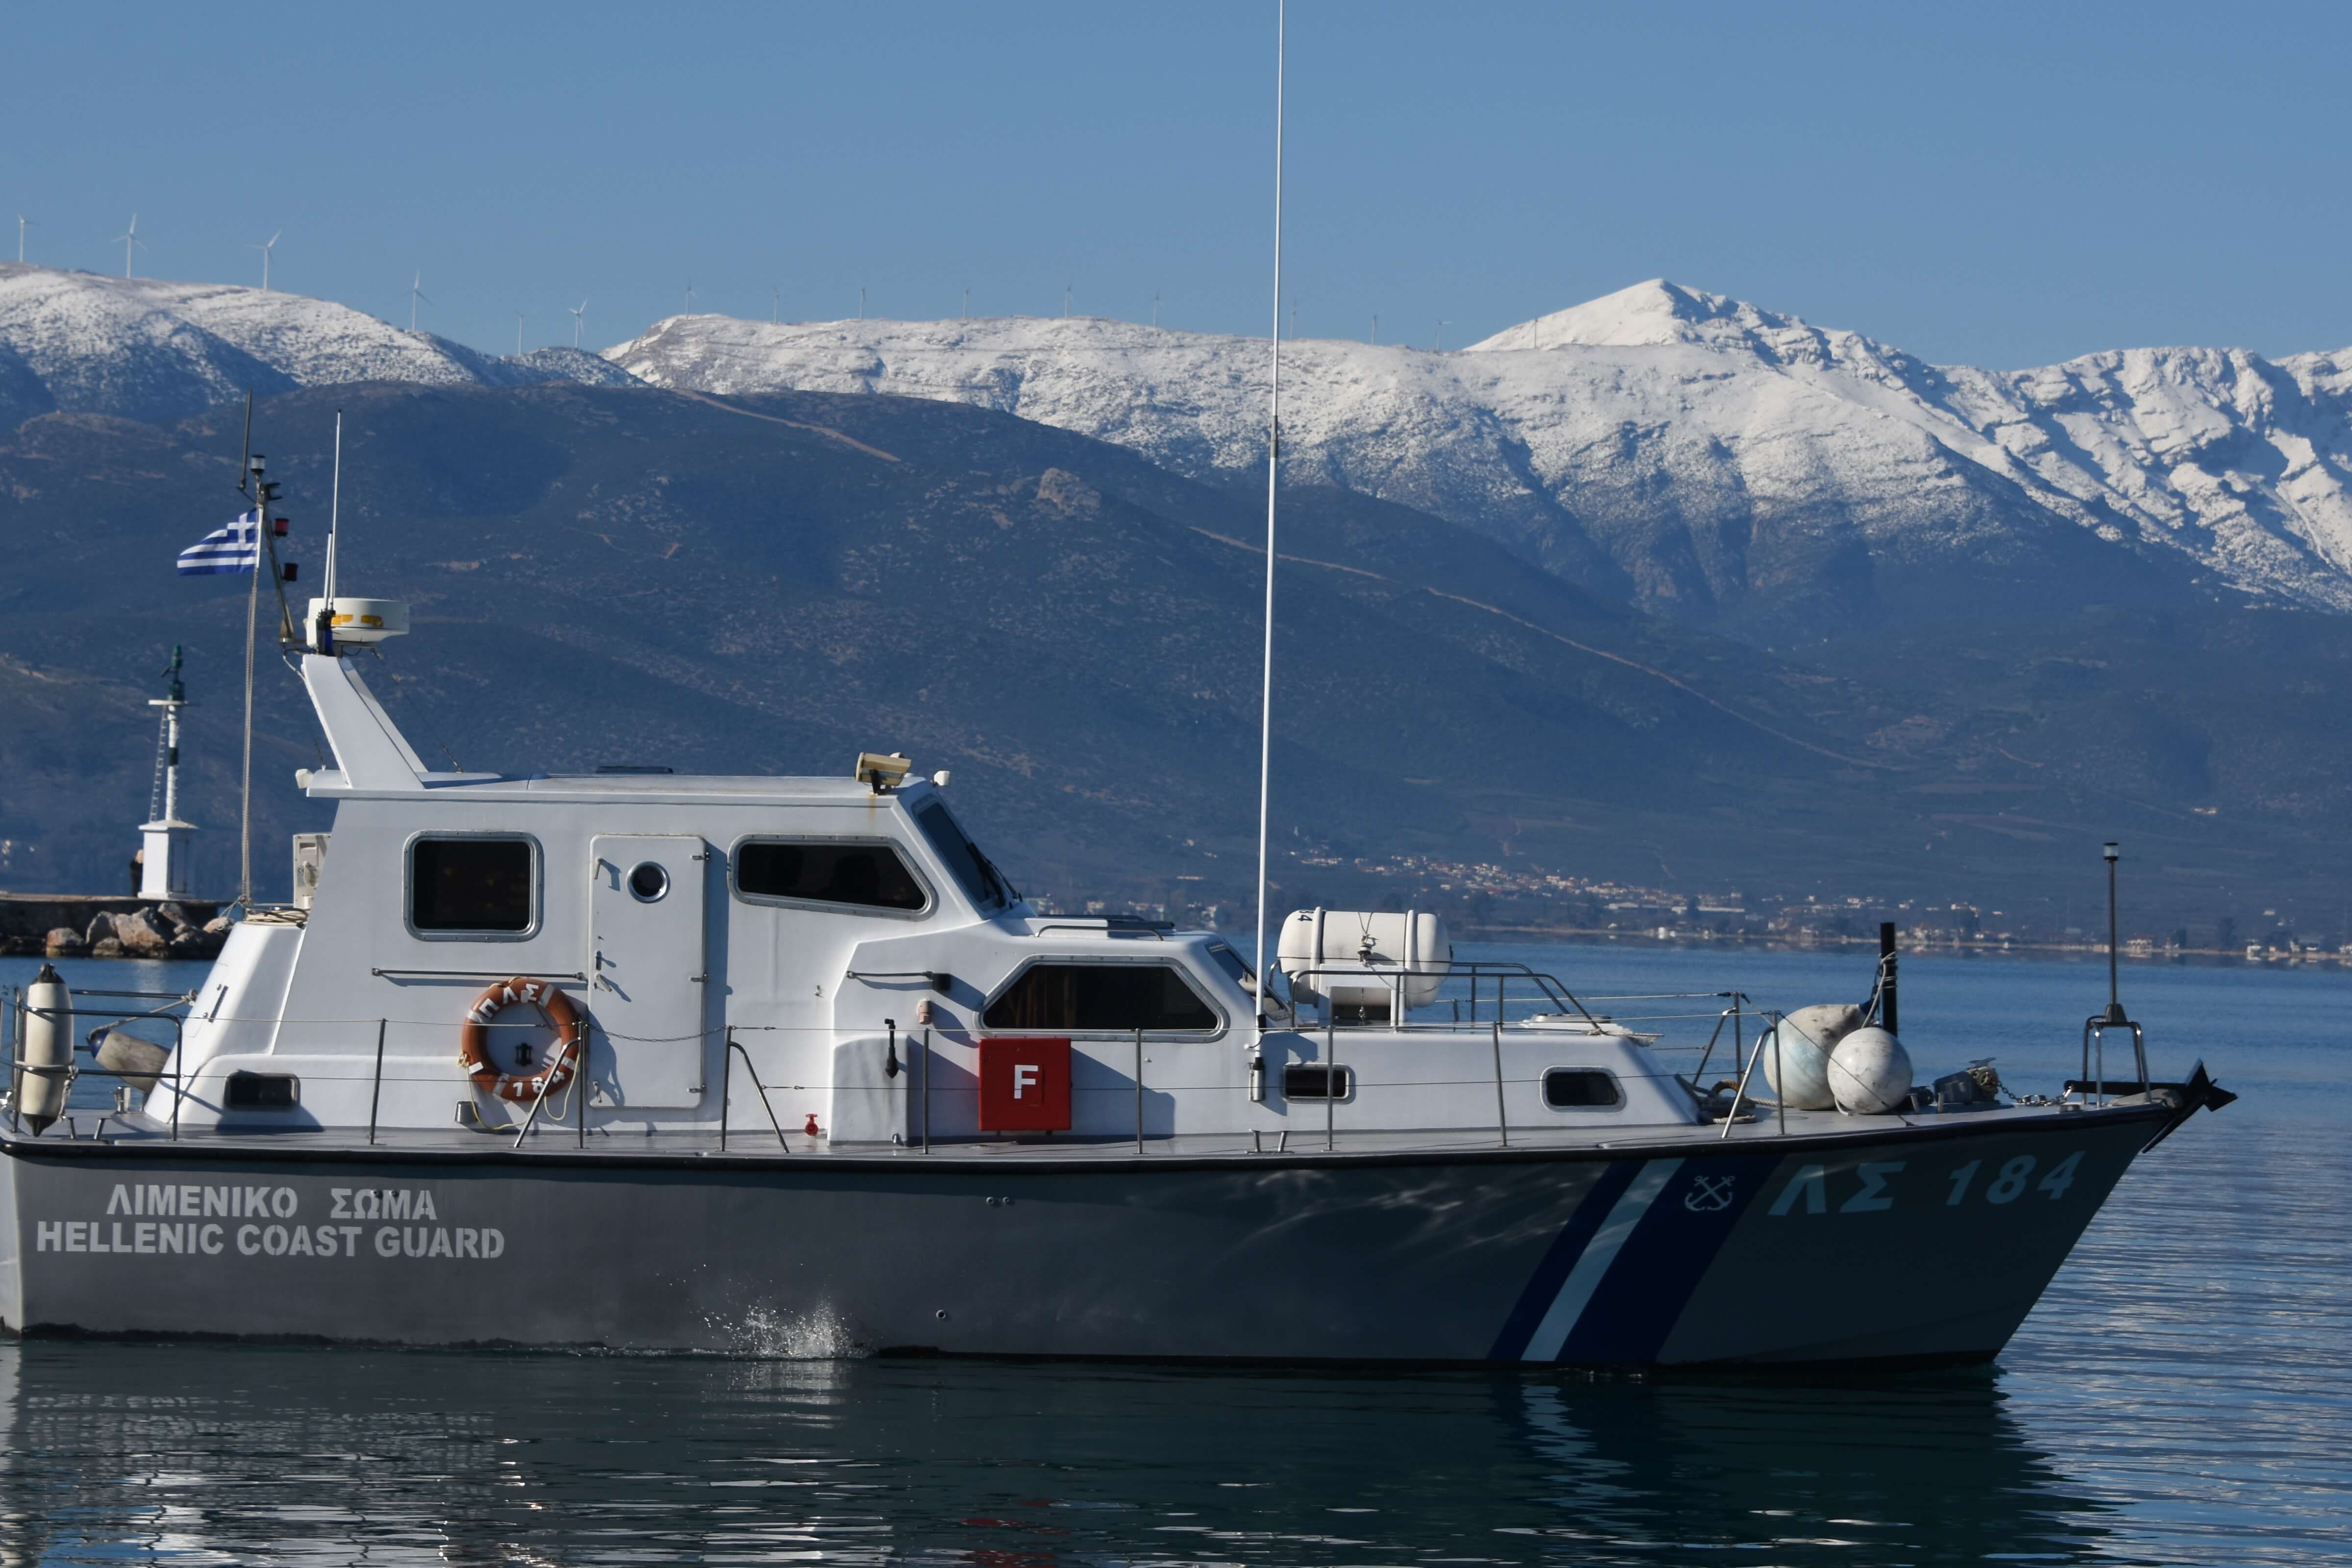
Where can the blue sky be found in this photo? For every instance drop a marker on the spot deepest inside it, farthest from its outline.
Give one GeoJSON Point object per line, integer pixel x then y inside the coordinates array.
{"type": "Point", "coordinates": [1993, 185]}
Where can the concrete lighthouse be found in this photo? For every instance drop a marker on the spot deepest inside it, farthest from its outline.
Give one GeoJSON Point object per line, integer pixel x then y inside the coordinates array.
{"type": "Point", "coordinates": [163, 853]}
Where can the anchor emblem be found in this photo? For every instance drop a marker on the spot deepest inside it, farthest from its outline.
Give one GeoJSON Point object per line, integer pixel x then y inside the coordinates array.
{"type": "Point", "coordinates": [1708, 1193]}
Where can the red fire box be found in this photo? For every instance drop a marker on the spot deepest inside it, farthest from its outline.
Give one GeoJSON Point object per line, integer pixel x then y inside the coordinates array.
{"type": "Point", "coordinates": [1025, 1085]}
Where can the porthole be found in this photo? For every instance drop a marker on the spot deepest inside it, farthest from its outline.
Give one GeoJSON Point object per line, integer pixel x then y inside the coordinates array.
{"type": "Point", "coordinates": [648, 884]}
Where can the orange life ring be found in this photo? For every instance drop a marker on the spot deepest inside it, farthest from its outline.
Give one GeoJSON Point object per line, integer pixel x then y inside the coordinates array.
{"type": "Point", "coordinates": [474, 1039]}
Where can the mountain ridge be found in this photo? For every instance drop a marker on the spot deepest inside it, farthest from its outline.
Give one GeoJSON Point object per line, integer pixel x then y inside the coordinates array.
{"type": "Point", "coordinates": [1693, 453]}
{"type": "Point", "coordinates": [147, 349]}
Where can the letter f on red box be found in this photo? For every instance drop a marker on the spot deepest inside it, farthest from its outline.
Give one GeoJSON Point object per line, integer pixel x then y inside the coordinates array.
{"type": "Point", "coordinates": [1025, 1085]}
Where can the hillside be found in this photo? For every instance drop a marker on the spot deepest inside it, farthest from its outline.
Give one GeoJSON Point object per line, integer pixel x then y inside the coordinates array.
{"type": "Point", "coordinates": [145, 348]}
{"type": "Point", "coordinates": [1694, 454]}
{"type": "Point", "coordinates": [771, 584]}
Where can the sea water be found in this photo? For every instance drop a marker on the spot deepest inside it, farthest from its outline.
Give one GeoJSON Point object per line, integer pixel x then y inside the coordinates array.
{"type": "Point", "coordinates": [2183, 1394]}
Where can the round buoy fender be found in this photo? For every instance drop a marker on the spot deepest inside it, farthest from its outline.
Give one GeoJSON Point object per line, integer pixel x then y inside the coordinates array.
{"type": "Point", "coordinates": [474, 1039]}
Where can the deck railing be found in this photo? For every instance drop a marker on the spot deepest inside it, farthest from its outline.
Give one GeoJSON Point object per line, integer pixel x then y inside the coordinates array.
{"type": "Point", "coordinates": [1499, 997]}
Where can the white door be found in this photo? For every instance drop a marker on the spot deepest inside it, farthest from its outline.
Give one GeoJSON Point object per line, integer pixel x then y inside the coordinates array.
{"type": "Point", "coordinates": [647, 963]}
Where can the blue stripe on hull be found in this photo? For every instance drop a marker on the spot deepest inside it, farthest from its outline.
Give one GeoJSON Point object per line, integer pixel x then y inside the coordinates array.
{"type": "Point", "coordinates": [1663, 1221]}
{"type": "Point", "coordinates": [1559, 1259]}
{"type": "Point", "coordinates": [1658, 1268]}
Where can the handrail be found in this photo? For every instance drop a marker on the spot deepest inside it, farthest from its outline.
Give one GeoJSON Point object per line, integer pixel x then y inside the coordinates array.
{"type": "Point", "coordinates": [572, 975]}
{"type": "Point", "coordinates": [1157, 929]}
{"type": "Point", "coordinates": [1471, 970]}
{"type": "Point", "coordinates": [1732, 1116]}
{"type": "Point", "coordinates": [577, 1042]}
{"type": "Point", "coordinates": [2097, 1024]}
{"type": "Point", "coordinates": [726, 1089]}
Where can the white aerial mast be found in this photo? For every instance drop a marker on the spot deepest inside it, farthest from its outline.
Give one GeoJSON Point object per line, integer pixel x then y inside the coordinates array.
{"type": "Point", "coordinates": [1273, 463]}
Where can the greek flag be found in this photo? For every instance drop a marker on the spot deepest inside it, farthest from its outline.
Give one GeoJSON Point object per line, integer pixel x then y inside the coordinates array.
{"type": "Point", "coordinates": [232, 547]}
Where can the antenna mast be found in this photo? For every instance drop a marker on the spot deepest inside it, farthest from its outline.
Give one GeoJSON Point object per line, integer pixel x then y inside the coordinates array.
{"type": "Point", "coordinates": [1273, 464]}
{"type": "Point", "coordinates": [335, 516]}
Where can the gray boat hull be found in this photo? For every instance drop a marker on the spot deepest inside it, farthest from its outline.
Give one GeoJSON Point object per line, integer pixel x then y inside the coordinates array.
{"type": "Point", "coordinates": [1909, 1245]}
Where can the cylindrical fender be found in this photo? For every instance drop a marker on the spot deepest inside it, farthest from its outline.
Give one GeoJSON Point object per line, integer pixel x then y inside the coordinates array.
{"type": "Point", "coordinates": [45, 1055]}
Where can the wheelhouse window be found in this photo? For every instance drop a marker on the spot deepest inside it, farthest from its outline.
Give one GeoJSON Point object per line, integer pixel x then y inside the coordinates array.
{"type": "Point", "coordinates": [472, 886]}
{"type": "Point", "coordinates": [1100, 998]}
{"type": "Point", "coordinates": [819, 871]}
{"type": "Point", "coordinates": [981, 883]}
{"type": "Point", "coordinates": [1581, 1089]}
{"type": "Point", "coordinates": [1235, 969]}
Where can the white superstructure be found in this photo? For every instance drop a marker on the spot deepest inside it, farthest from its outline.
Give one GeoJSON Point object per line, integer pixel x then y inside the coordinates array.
{"type": "Point", "coordinates": [840, 932]}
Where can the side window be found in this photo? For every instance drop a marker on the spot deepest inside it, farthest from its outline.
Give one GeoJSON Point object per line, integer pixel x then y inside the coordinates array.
{"type": "Point", "coordinates": [1315, 1081]}
{"type": "Point", "coordinates": [472, 887]}
{"type": "Point", "coordinates": [262, 1091]}
{"type": "Point", "coordinates": [1581, 1089]}
{"type": "Point", "coordinates": [1232, 962]}
{"type": "Point", "coordinates": [983, 883]}
{"type": "Point", "coordinates": [1100, 998]}
{"type": "Point", "coordinates": [818, 871]}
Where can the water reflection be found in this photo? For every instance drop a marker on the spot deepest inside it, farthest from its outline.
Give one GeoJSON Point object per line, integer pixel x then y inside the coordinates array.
{"type": "Point", "coordinates": [247, 1454]}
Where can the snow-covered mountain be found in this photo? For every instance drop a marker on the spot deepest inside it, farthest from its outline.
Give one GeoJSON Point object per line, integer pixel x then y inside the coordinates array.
{"type": "Point", "coordinates": [1695, 453]}
{"type": "Point", "coordinates": [143, 349]}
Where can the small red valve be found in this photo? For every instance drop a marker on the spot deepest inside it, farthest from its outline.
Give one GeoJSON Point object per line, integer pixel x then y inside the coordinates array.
{"type": "Point", "coordinates": [811, 1128]}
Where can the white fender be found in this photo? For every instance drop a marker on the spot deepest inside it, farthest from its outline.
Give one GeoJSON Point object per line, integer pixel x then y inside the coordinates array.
{"type": "Point", "coordinates": [45, 1055]}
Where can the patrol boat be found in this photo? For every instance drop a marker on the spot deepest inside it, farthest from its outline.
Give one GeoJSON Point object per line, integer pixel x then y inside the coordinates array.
{"type": "Point", "coordinates": [643, 1061]}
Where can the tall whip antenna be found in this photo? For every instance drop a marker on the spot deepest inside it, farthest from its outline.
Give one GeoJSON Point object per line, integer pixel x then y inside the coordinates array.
{"type": "Point", "coordinates": [335, 516]}
{"type": "Point", "coordinates": [1272, 462]}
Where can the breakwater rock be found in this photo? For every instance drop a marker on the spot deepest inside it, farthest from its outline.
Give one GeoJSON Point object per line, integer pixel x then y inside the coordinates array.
{"type": "Point", "coordinates": [61, 925]}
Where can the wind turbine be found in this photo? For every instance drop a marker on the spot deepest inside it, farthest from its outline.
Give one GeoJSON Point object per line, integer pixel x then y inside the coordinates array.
{"type": "Point", "coordinates": [1155, 310]}
{"type": "Point", "coordinates": [416, 293]}
{"type": "Point", "coordinates": [23, 223]}
{"type": "Point", "coordinates": [264, 250]}
{"type": "Point", "coordinates": [690, 296]}
{"type": "Point", "coordinates": [967, 304]}
{"type": "Point", "coordinates": [127, 238]}
{"type": "Point", "coordinates": [579, 313]}
{"type": "Point", "coordinates": [1441, 335]}
{"type": "Point", "coordinates": [1067, 290]}
{"type": "Point", "coordinates": [776, 311]}
{"type": "Point", "coordinates": [1376, 329]}
{"type": "Point", "coordinates": [518, 334]}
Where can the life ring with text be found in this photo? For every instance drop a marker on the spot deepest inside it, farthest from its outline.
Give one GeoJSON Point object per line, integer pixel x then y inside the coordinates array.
{"type": "Point", "coordinates": [474, 1040]}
